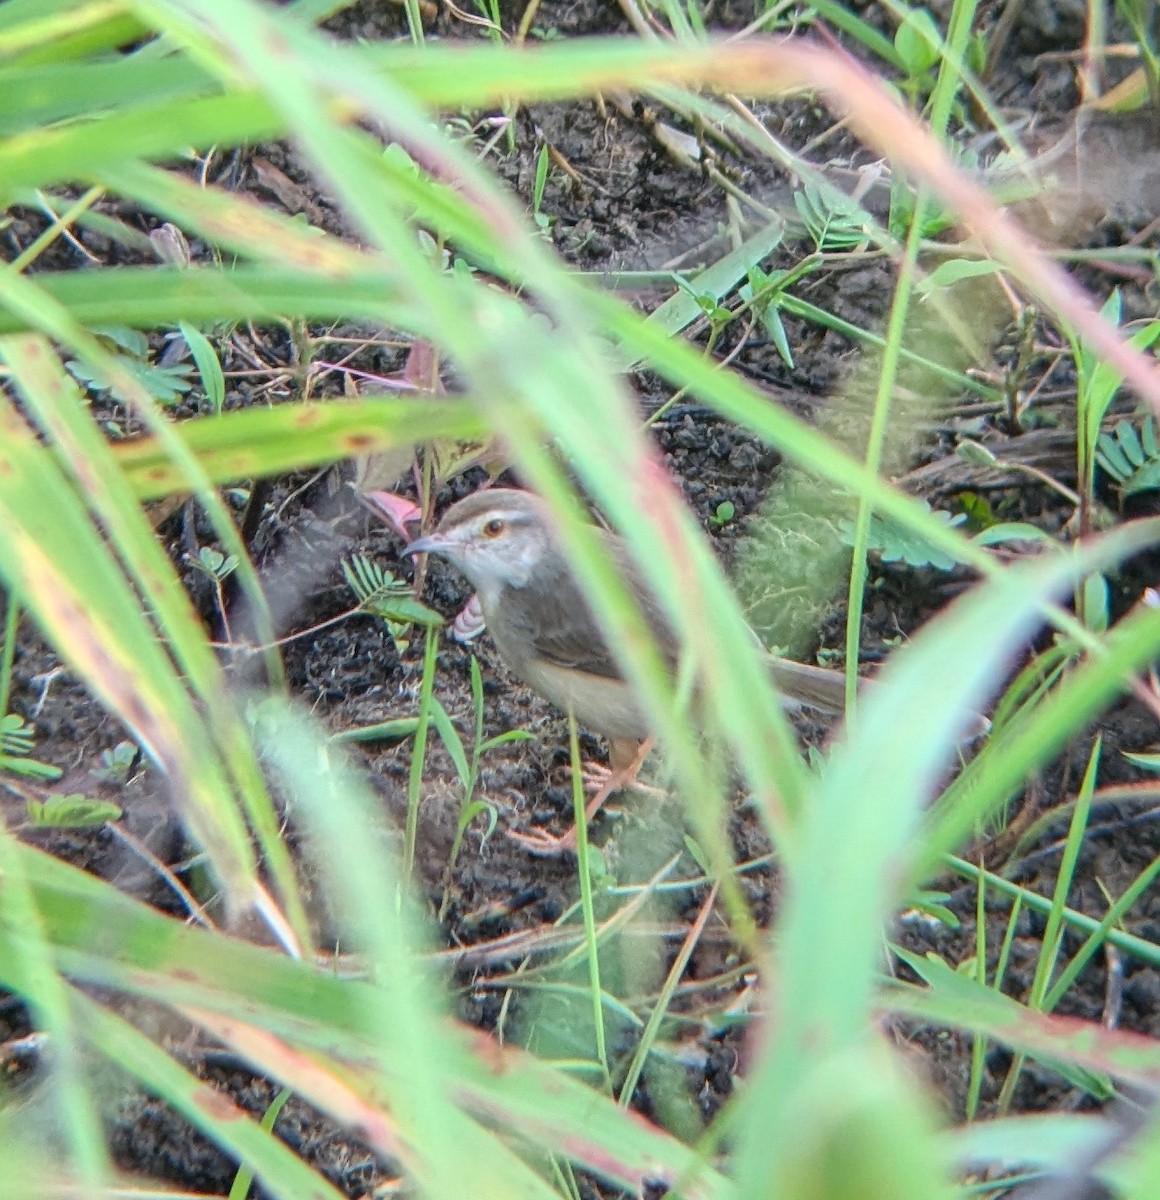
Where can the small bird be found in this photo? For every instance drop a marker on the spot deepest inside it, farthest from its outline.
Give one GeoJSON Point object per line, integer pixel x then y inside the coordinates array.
{"type": "Point", "coordinates": [504, 542]}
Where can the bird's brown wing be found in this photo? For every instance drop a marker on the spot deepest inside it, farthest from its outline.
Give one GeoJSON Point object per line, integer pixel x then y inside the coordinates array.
{"type": "Point", "coordinates": [556, 623]}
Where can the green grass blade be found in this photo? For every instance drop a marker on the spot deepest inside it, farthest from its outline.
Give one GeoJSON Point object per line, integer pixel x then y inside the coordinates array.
{"type": "Point", "coordinates": [49, 546]}
{"type": "Point", "coordinates": [150, 298]}
{"type": "Point", "coordinates": [206, 1108]}
{"type": "Point", "coordinates": [256, 442]}
{"type": "Point", "coordinates": [52, 397]}
{"type": "Point", "coordinates": [29, 969]}
{"type": "Point", "coordinates": [861, 829]}
{"type": "Point", "coordinates": [32, 96]}
{"type": "Point", "coordinates": [103, 937]}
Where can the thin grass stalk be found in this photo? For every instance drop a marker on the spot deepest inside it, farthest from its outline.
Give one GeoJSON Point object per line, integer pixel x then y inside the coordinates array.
{"type": "Point", "coordinates": [875, 343]}
{"type": "Point", "coordinates": [414, 21]}
{"type": "Point", "coordinates": [419, 751]}
{"type": "Point", "coordinates": [978, 1042]}
{"type": "Point", "coordinates": [664, 999]}
{"type": "Point", "coordinates": [1099, 931]}
{"type": "Point", "coordinates": [941, 101]}
{"type": "Point", "coordinates": [240, 1188]}
{"type": "Point", "coordinates": [875, 446]}
{"type": "Point", "coordinates": [953, 51]}
{"type": "Point", "coordinates": [39, 244]}
{"type": "Point", "coordinates": [619, 921]}
{"type": "Point", "coordinates": [584, 869]}
{"type": "Point", "coordinates": [1053, 931]}
{"type": "Point", "coordinates": [1009, 934]}
{"type": "Point", "coordinates": [840, 16]}
{"type": "Point", "coordinates": [1103, 931]}
{"type": "Point", "coordinates": [8, 646]}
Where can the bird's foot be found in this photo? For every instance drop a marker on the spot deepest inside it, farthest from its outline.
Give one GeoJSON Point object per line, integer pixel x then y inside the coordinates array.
{"type": "Point", "coordinates": [544, 845]}
{"type": "Point", "coordinates": [603, 782]}
{"type": "Point", "coordinates": [625, 759]}
{"type": "Point", "coordinates": [607, 781]}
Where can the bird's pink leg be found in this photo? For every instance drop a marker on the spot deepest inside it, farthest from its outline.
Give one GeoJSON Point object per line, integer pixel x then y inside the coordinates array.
{"type": "Point", "coordinates": [626, 756]}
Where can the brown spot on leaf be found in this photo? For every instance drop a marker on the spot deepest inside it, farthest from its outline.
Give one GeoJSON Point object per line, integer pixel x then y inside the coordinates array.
{"type": "Point", "coordinates": [490, 1053]}
{"type": "Point", "coordinates": [215, 1105]}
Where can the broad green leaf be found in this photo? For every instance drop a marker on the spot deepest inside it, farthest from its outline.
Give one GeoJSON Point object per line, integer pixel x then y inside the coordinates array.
{"type": "Point", "coordinates": [917, 41]}
{"type": "Point", "coordinates": [210, 369]}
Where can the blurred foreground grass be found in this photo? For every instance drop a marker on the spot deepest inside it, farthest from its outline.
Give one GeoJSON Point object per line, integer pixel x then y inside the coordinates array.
{"type": "Point", "coordinates": [826, 1108]}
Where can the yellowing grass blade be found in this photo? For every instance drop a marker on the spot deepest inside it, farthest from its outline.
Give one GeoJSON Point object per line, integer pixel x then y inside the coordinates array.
{"type": "Point", "coordinates": [54, 556]}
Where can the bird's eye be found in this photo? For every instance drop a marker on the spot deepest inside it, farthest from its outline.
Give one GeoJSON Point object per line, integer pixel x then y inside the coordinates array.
{"type": "Point", "coordinates": [493, 528]}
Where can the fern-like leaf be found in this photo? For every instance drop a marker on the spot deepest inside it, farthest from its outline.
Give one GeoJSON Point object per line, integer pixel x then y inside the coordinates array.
{"type": "Point", "coordinates": [380, 593]}
{"type": "Point", "coordinates": [16, 741]}
{"type": "Point", "coordinates": [895, 544]}
{"type": "Point", "coordinates": [1131, 457]}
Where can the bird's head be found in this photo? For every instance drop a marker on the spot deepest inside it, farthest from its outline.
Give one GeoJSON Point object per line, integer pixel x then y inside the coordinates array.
{"type": "Point", "coordinates": [497, 538]}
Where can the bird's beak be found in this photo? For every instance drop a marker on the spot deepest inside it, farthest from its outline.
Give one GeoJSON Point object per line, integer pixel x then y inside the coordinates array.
{"type": "Point", "coordinates": [433, 543]}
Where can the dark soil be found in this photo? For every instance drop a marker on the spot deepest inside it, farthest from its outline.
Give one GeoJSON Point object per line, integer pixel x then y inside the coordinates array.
{"type": "Point", "coordinates": [626, 203]}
